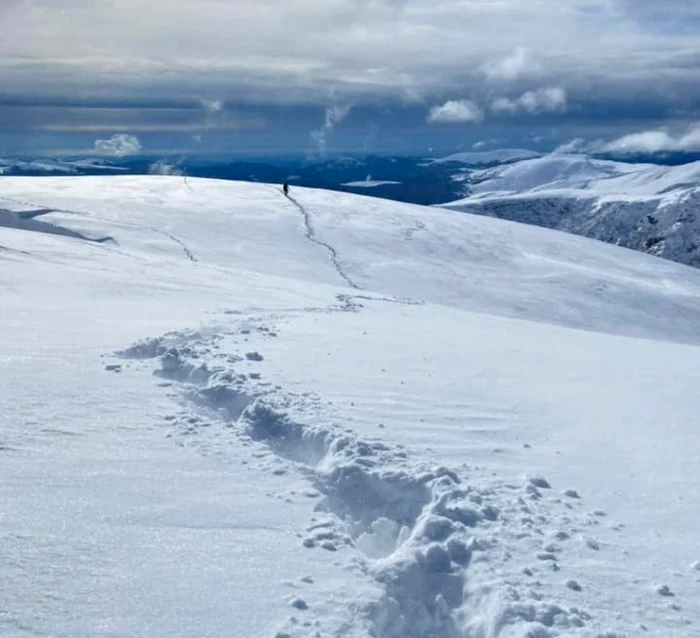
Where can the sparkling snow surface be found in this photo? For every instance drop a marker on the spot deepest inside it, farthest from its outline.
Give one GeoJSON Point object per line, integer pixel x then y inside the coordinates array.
{"type": "Point", "coordinates": [228, 413]}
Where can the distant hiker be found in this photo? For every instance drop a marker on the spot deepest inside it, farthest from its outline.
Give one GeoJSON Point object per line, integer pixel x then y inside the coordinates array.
{"type": "Point", "coordinates": [285, 188]}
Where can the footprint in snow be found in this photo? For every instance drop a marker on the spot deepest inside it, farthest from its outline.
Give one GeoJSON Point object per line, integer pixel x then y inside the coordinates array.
{"type": "Point", "coordinates": [300, 604]}
{"type": "Point", "coordinates": [541, 482]}
{"type": "Point", "coordinates": [664, 590]}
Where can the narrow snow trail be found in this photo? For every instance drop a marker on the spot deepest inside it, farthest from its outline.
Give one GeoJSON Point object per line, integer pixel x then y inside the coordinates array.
{"type": "Point", "coordinates": [313, 237]}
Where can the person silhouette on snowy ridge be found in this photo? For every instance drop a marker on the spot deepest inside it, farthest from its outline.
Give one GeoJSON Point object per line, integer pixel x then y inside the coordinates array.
{"type": "Point", "coordinates": [285, 189]}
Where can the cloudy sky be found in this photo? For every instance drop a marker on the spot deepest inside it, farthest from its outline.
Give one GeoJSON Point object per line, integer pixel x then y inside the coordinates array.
{"type": "Point", "coordinates": [278, 76]}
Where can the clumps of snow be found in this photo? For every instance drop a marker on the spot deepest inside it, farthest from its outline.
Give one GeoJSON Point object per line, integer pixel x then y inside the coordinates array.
{"type": "Point", "coordinates": [460, 553]}
{"type": "Point", "coordinates": [572, 494]}
{"type": "Point", "coordinates": [573, 585]}
{"type": "Point", "coordinates": [506, 614]}
{"type": "Point", "coordinates": [547, 556]}
{"type": "Point", "coordinates": [593, 544]}
{"type": "Point", "coordinates": [411, 524]}
{"type": "Point", "coordinates": [380, 539]}
{"type": "Point", "coordinates": [420, 530]}
{"type": "Point", "coordinates": [157, 346]}
{"type": "Point", "coordinates": [664, 590]}
{"type": "Point", "coordinates": [540, 482]}
{"type": "Point", "coordinates": [254, 356]}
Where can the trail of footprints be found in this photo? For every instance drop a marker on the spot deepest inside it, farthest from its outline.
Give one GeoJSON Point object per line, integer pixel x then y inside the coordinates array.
{"type": "Point", "coordinates": [419, 531]}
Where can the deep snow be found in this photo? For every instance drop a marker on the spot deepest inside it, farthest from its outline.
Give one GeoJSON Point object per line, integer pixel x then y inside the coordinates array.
{"type": "Point", "coordinates": [227, 413]}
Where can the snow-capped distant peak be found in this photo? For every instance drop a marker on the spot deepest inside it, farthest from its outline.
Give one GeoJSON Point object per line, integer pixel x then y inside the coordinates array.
{"type": "Point", "coordinates": [645, 207]}
{"type": "Point", "coordinates": [8, 166]}
{"type": "Point", "coordinates": [484, 158]}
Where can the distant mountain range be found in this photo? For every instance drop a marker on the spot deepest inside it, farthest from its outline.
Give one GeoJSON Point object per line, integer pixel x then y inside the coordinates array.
{"type": "Point", "coordinates": [36, 167]}
{"type": "Point", "coordinates": [645, 207]}
{"type": "Point", "coordinates": [488, 158]}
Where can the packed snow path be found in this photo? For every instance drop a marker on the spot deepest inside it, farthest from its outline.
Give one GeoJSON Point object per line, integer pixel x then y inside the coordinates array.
{"type": "Point", "coordinates": [244, 448]}
{"type": "Point", "coordinates": [312, 237]}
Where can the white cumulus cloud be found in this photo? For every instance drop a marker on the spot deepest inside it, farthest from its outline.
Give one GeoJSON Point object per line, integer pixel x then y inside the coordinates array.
{"type": "Point", "coordinates": [163, 168]}
{"type": "Point", "coordinates": [510, 67]}
{"type": "Point", "coordinates": [334, 116]}
{"type": "Point", "coordinates": [456, 111]}
{"type": "Point", "coordinates": [657, 141]}
{"type": "Point", "coordinates": [544, 100]}
{"type": "Point", "coordinates": [118, 145]}
{"type": "Point", "coordinates": [212, 106]}
{"type": "Point", "coordinates": [577, 145]}
{"type": "Point", "coordinates": [251, 50]}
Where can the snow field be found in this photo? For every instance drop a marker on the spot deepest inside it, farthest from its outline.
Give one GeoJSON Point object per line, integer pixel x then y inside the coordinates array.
{"type": "Point", "coordinates": [366, 419]}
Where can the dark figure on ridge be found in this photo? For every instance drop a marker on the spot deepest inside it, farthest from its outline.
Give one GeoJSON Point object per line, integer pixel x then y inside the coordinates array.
{"type": "Point", "coordinates": [285, 188]}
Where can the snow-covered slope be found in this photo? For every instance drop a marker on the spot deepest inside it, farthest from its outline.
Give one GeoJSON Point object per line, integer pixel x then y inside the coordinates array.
{"type": "Point", "coordinates": [645, 207]}
{"type": "Point", "coordinates": [60, 166]}
{"type": "Point", "coordinates": [484, 158]}
{"type": "Point", "coordinates": [225, 413]}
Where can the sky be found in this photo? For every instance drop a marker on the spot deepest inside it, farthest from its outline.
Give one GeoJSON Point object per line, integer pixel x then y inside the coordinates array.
{"type": "Point", "coordinates": [249, 77]}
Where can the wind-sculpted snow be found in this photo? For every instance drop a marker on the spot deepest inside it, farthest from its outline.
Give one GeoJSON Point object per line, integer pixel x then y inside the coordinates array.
{"type": "Point", "coordinates": [313, 237]}
{"type": "Point", "coordinates": [29, 220]}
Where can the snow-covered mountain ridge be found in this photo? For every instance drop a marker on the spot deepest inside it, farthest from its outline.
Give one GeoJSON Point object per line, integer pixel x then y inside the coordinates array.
{"type": "Point", "coordinates": [645, 207]}
{"type": "Point", "coordinates": [485, 158]}
{"type": "Point", "coordinates": [56, 166]}
{"type": "Point", "coordinates": [229, 413]}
